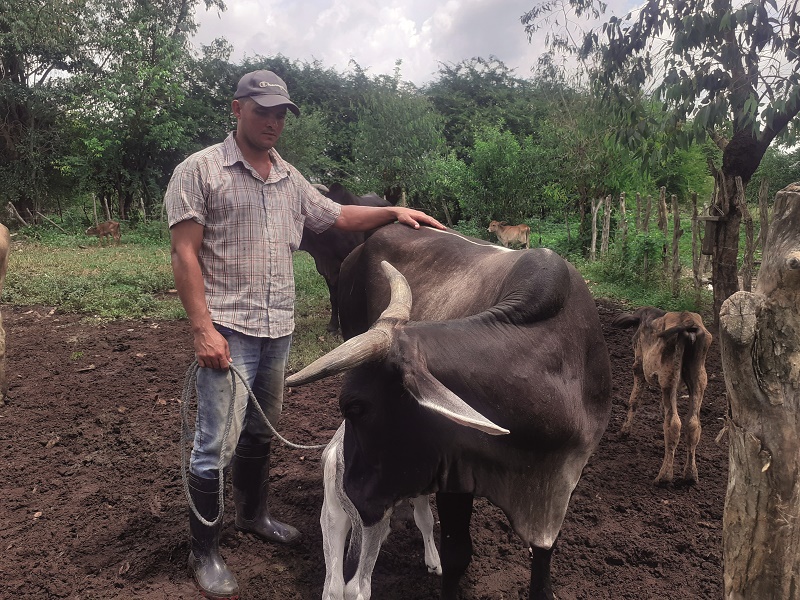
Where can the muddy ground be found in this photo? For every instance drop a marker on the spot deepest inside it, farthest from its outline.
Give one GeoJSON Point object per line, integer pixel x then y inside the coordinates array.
{"type": "Point", "coordinates": [92, 504]}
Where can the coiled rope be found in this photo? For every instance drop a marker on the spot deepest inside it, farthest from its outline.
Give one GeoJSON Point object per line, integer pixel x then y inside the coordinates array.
{"type": "Point", "coordinates": [187, 435]}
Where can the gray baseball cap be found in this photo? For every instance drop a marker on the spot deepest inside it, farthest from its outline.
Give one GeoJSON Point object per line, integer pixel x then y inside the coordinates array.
{"type": "Point", "coordinates": [267, 89]}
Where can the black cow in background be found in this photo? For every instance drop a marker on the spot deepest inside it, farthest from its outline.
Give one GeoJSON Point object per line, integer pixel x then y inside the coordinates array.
{"type": "Point", "coordinates": [331, 247]}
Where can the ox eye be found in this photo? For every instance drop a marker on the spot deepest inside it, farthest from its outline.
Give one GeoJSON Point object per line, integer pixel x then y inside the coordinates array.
{"type": "Point", "coordinates": [354, 410]}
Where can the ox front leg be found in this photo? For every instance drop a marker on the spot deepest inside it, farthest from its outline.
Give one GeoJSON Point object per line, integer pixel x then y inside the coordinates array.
{"type": "Point", "coordinates": [455, 513]}
{"type": "Point", "coordinates": [672, 434]}
{"type": "Point", "coordinates": [334, 522]}
{"type": "Point", "coordinates": [423, 517]}
{"type": "Point", "coordinates": [541, 588]}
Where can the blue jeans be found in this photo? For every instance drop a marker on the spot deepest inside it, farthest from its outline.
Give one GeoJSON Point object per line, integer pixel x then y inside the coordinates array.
{"type": "Point", "coordinates": [262, 362]}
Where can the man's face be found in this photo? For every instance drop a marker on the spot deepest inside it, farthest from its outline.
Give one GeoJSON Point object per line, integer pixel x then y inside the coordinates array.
{"type": "Point", "coordinates": [258, 127]}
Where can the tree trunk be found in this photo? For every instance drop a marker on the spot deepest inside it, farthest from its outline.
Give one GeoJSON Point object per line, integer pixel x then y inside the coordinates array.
{"type": "Point", "coordinates": [760, 339]}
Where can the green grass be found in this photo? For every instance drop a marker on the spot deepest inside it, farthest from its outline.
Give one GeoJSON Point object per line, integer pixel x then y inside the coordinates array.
{"type": "Point", "coordinates": [125, 281]}
{"type": "Point", "coordinates": [73, 273]}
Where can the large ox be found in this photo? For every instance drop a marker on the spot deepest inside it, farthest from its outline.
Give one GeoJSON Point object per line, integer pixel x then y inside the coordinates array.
{"type": "Point", "coordinates": [510, 234]}
{"type": "Point", "coordinates": [494, 382]}
{"type": "Point", "coordinates": [669, 348]}
{"type": "Point", "coordinates": [331, 247]}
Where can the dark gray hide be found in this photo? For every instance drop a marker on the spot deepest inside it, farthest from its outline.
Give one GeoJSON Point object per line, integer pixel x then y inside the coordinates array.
{"type": "Point", "coordinates": [331, 247]}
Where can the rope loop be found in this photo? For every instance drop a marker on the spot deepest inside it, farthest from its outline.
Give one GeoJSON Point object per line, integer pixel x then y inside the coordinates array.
{"type": "Point", "coordinates": [187, 435]}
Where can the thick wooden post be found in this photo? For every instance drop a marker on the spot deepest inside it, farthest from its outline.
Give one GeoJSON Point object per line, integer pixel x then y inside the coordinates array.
{"type": "Point", "coordinates": [760, 339]}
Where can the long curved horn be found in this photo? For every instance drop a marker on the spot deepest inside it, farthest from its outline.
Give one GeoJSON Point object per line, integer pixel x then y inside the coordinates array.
{"type": "Point", "coordinates": [400, 302]}
{"type": "Point", "coordinates": [369, 346]}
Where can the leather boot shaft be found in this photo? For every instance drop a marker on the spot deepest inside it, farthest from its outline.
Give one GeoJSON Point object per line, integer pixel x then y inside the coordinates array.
{"type": "Point", "coordinates": [210, 573]}
{"type": "Point", "coordinates": [250, 467]}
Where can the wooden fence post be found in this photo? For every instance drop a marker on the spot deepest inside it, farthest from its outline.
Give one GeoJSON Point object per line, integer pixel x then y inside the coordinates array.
{"type": "Point", "coordinates": [638, 212]}
{"type": "Point", "coordinates": [623, 219]}
{"type": "Point", "coordinates": [763, 212]}
{"type": "Point", "coordinates": [647, 210]}
{"type": "Point", "coordinates": [663, 225]}
{"type": "Point", "coordinates": [595, 209]}
{"type": "Point", "coordinates": [677, 232]}
{"type": "Point", "coordinates": [746, 272]}
{"type": "Point", "coordinates": [760, 342]}
{"type": "Point", "coordinates": [606, 226]}
{"type": "Point", "coordinates": [696, 249]}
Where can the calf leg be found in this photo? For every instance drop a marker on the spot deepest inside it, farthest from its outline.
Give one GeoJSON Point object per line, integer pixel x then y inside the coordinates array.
{"type": "Point", "coordinates": [423, 517]}
{"type": "Point", "coordinates": [541, 588]}
{"type": "Point", "coordinates": [634, 400]}
{"type": "Point", "coordinates": [455, 512]}
{"type": "Point", "coordinates": [672, 433]}
{"type": "Point", "coordinates": [693, 427]}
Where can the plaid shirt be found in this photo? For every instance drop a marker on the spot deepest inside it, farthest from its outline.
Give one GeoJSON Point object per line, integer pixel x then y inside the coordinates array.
{"type": "Point", "coordinates": [252, 227]}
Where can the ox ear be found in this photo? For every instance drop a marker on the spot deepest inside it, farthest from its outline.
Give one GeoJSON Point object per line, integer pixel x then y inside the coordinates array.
{"type": "Point", "coordinates": [433, 395]}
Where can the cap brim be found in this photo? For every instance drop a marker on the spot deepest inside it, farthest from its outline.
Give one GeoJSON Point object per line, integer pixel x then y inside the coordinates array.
{"type": "Point", "coordinates": [270, 100]}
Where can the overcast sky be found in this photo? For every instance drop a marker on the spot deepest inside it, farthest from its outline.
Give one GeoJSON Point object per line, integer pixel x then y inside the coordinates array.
{"type": "Point", "coordinates": [376, 33]}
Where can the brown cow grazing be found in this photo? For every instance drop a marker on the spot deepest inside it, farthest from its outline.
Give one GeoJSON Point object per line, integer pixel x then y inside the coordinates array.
{"type": "Point", "coordinates": [508, 234]}
{"type": "Point", "coordinates": [5, 242]}
{"type": "Point", "coordinates": [669, 347]}
{"type": "Point", "coordinates": [108, 228]}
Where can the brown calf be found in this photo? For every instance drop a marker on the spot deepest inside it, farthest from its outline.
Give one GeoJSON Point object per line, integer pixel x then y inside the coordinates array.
{"type": "Point", "coordinates": [669, 347]}
{"type": "Point", "coordinates": [5, 242]}
{"type": "Point", "coordinates": [510, 233]}
{"type": "Point", "coordinates": [109, 228]}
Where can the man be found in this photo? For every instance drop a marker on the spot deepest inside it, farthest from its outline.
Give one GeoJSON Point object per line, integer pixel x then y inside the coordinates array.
{"type": "Point", "coordinates": [236, 212]}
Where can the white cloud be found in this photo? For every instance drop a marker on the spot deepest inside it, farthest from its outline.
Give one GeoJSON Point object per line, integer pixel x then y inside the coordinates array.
{"type": "Point", "coordinates": [377, 33]}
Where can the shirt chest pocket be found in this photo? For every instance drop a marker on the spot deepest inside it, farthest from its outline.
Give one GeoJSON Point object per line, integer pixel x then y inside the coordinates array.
{"type": "Point", "coordinates": [285, 226]}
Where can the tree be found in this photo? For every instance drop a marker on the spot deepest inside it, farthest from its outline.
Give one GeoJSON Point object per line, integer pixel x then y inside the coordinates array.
{"type": "Point", "coordinates": [726, 72]}
{"type": "Point", "coordinates": [38, 39]}
{"type": "Point", "coordinates": [479, 91]}
{"type": "Point", "coordinates": [396, 136]}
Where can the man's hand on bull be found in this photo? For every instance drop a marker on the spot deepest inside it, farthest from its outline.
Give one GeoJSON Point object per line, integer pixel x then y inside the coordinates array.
{"type": "Point", "coordinates": [211, 349]}
{"type": "Point", "coordinates": [415, 218]}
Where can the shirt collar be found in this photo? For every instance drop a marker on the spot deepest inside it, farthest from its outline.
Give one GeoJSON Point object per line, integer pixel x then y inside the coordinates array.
{"type": "Point", "coordinates": [233, 155]}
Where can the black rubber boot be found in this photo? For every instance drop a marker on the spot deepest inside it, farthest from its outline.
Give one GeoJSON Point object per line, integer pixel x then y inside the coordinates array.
{"type": "Point", "coordinates": [250, 495]}
{"type": "Point", "coordinates": [205, 563]}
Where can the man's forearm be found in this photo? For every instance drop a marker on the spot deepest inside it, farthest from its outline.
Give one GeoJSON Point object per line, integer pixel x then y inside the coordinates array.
{"type": "Point", "coordinates": [191, 291]}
